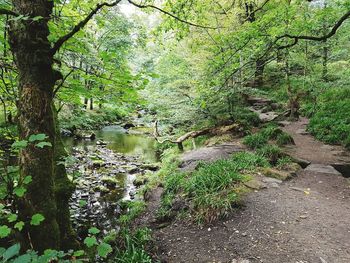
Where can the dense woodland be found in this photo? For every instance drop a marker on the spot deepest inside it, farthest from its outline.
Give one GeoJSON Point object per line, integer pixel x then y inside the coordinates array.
{"type": "Point", "coordinates": [190, 72]}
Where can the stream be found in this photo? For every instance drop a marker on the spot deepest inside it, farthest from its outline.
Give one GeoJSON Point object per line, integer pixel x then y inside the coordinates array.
{"type": "Point", "coordinates": [104, 170]}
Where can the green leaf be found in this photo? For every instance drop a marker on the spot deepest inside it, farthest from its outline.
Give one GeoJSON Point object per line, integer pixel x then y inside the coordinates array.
{"type": "Point", "coordinates": [20, 144]}
{"type": "Point", "coordinates": [12, 218]}
{"type": "Point", "coordinates": [94, 230]}
{"type": "Point", "coordinates": [82, 203]}
{"type": "Point", "coordinates": [27, 179]}
{"type": "Point", "coordinates": [78, 253]}
{"type": "Point", "coordinates": [37, 137]}
{"type": "Point", "coordinates": [12, 169]}
{"type": "Point", "coordinates": [104, 249]}
{"type": "Point", "coordinates": [11, 252]}
{"type": "Point", "coordinates": [4, 231]}
{"type": "Point", "coordinates": [37, 18]}
{"type": "Point", "coordinates": [20, 191]}
{"type": "Point", "coordinates": [19, 225]}
{"type": "Point", "coordinates": [90, 241]}
{"type": "Point", "coordinates": [37, 219]}
{"type": "Point", "coordinates": [43, 144]}
{"type": "Point", "coordinates": [26, 258]}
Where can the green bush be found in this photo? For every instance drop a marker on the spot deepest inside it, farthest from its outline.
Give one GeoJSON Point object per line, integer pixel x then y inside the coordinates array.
{"type": "Point", "coordinates": [284, 139]}
{"type": "Point", "coordinates": [245, 117]}
{"type": "Point", "coordinates": [271, 132]}
{"type": "Point", "coordinates": [213, 188]}
{"type": "Point", "coordinates": [331, 122]}
{"type": "Point", "coordinates": [255, 141]}
{"type": "Point", "coordinates": [271, 152]}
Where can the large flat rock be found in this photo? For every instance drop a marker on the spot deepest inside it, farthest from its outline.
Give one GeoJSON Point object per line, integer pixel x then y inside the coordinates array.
{"type": "Point", "coordinates": [322, 168]}
{"type": "Point", "coordinates": [190, 159]}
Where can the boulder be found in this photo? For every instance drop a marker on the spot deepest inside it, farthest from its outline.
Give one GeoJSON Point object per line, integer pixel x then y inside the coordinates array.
{"type": "Point", "coordinates": [277, 174]}
{"type": "Point", "coordinates": [343, 168]}
{"type": "Point", "coordinates": [128, 126]}
{"type": "Point", "coordinates": [322, 168]}
{"type": "Point", "coordinates": [255, 184]}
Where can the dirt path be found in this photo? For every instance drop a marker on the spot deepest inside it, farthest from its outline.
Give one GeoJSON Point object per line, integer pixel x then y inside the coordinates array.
{"type": "Point", "coordinates": [304, 220]}
{"type": "Point", "coordinates": [310, 149]}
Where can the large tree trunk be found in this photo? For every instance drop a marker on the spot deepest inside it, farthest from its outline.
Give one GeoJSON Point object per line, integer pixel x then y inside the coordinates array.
{"type": "Point", "coordinates": [63, 192]}
{"type": "Point", "coordinates": [31, 49]}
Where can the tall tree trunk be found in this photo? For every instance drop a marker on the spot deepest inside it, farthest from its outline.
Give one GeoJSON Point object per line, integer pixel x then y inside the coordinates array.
{"type": "Point", "coordinates": [31, 49]}
{"type": "Point", "coordinates": [63, 192]}
{"type": "Point", "coordinates": [91, 103]}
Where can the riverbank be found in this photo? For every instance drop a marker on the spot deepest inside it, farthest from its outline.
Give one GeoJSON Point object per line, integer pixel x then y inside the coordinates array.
{"type": "Point", "coordinates": [302, 219]}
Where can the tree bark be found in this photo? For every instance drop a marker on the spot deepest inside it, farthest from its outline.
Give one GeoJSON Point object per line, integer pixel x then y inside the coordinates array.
{"type": "Point", "coordinates": [31, 49]}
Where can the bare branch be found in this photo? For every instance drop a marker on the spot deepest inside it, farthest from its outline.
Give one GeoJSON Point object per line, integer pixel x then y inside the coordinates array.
{"type": "Point", "coordinates": [169, 14]}
{"type": "Point", "coordinates": [80, 25]}
{"type": "Point", "coordinates": [4, 11]}
{"type": "Point", "coordinates": [314, 38]}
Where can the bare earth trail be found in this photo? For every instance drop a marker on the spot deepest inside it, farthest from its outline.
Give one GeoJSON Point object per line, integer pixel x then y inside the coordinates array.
{"type": "Point", "coordinates": [306, 219]}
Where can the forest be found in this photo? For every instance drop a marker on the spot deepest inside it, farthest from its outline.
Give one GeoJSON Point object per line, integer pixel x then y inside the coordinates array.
{"type": "Point", "coordinates": [149, 131]}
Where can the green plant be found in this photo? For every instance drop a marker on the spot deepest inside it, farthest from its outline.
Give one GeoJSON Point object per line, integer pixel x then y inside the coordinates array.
{"type": "Point", "coordinates": [271, 132]}
{"type": "Point", "coordinates": [271, 152]}
{"type": "Point", "coordinates": [131, 246]}
{"type": "Point", "coordinates": [283, 161]}
{"type": "Point", "coordinates": [284, 139]}
{"type": "Point", "coordinates": [255, 141]}
{"type": "Point", "coordinates": [212, 189]}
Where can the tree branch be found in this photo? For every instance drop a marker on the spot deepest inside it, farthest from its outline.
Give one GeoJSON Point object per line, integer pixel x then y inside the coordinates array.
{"type": "Point", "coordinates": [4, 11]}
{"type": "Point", "coordinates": [314, 38]}
{"type": "Point", "coordinates": [80, 25]}
{"type": "Point", "coordinates": [169, 14]}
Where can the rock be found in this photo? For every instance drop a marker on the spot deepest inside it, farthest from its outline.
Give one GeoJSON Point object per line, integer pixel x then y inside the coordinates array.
{"type": "Point", "coordinates": [343, 168]}
{"type": "Point", "coordinates": [303, 163]}
{"type": "Point", "coordinates": [240, 261]}
{"type": "Point", "coordinates": [190, 159]}
{"type": "Point", "coordinates": [277, 174]}
{"type": "Point", "coordinates": [100, 142]}
{"type": "Point", "coordinates": [67, 133]}
{"type": "Point", "coordinates": [322, 168]}
{"type": "Point", "coordinates": [255, 184]}
{"type": "Point", "coordinates": [283, 123]}
{"type": "Point", "coordinates": [140, 180]}
{"type": "Point", "coordinates": [110, 182]}
{"type": "Point", "coordinates": [102, 189]}
{"type": "Point", "coordinates": [150, 166]}
{"type": "Point", "coordinates": [302, 132]}
{"type": "Point", "coordinates": [85, 136]}
{"type": "Point", "coordinates": [270, 180]}
{"type": "Point", "coordinates": [97, 163]}
{"type": "Point", "coordinates": [128, 126]}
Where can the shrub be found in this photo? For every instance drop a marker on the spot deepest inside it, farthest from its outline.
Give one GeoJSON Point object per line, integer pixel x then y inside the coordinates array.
{"type": "Point", "coordinates": [271, 152]}
{"type": "Point", "coordinates": [271, 132]}
{"type": "Point", "coordinates": [213, 188]}
{"type": "Point", "coordinates": [284, 139]}
{"type": "Point", "coordinates": [331, 122]}
{"type": "Point", "coordinates": [255, 141]}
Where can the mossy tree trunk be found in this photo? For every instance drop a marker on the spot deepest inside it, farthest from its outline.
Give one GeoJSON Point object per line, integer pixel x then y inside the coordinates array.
{"type": "Point", "coordinates": [34, 60]}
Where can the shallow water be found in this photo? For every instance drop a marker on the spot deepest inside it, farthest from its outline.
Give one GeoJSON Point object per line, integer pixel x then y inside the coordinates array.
{"type": "Point", "coordinates": [119, 161]}
{"type": "Point", "coordinates": [120, 141]}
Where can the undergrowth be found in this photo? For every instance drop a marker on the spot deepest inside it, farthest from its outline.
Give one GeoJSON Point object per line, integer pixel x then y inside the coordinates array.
{"type": "Point", "coordinates": [212, 189]}
{"type": "Point", "coordinates": [331, 122]}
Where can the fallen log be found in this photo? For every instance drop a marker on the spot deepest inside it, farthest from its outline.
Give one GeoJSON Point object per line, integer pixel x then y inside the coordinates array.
{"type": "Point", "coordinates": [194, 134]}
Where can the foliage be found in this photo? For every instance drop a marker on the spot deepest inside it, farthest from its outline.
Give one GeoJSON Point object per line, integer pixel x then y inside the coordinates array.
{"type": "Point", "coordinates": [331, 122]}
{"type": "Point", "coordinates": [212, 189]}
{"type": "Point", "coordinates": [271, 152]}
{"type": "Point", "coordinates": [255, 141]}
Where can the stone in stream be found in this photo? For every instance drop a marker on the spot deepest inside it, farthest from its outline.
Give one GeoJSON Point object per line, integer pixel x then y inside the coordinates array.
{"type": "Point", "coordinates": [322, 168]}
